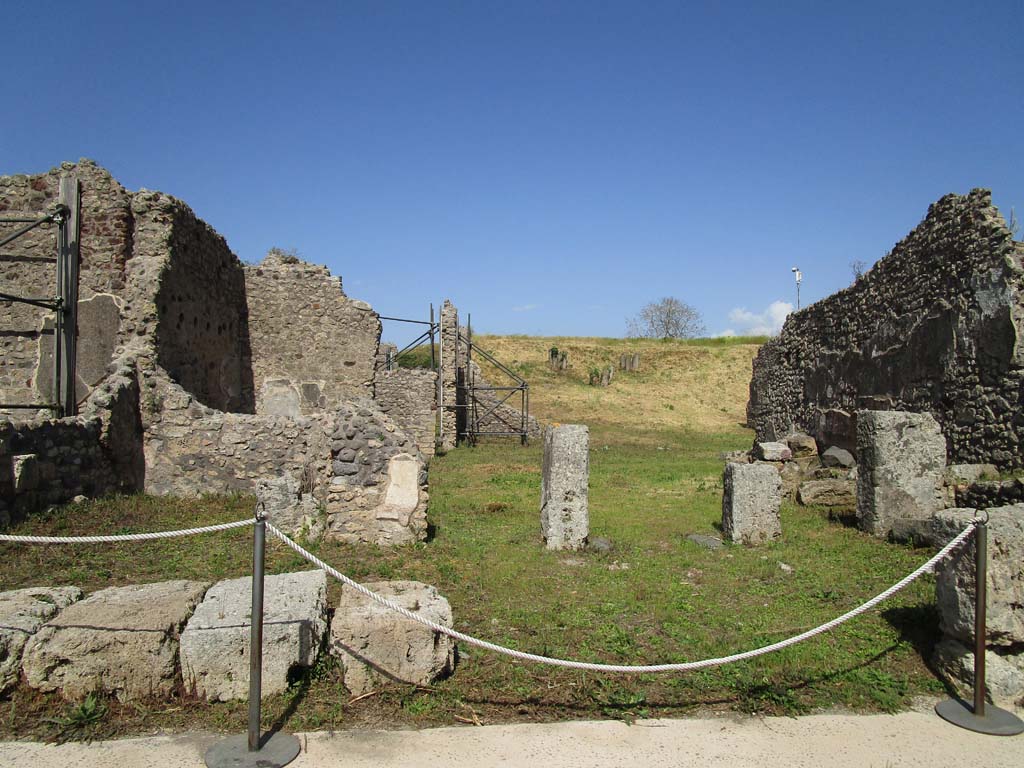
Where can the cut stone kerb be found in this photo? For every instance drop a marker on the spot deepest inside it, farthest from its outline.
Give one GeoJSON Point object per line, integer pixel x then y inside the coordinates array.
{"type": "Point", "coordinates": [752, 495]}
{"type": "Point", "coordinates": [564, 512]}
{"type": "Point", "coordinates": [902, 459]}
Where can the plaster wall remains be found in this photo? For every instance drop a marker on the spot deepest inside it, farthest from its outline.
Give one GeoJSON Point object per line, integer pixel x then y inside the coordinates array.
{"type": "Point", "coordinates": [313, 347]}
{"type": "Point", "coordinates": [936, 326]}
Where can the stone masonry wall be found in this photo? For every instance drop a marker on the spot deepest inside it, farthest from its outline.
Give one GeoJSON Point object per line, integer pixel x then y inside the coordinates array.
{"type": "Point", "coordinates": [28, 268]}
{"type": "Point", "coordinates": [409, 397]}
{"type": "Point", "coordinates": [937, 325]}
{"type": "Point", "coordinates": [312, 346]}
{"type": "Point", "coordinates": [51, 461]}
{"type": "Point", "coordinates": [201, 328]}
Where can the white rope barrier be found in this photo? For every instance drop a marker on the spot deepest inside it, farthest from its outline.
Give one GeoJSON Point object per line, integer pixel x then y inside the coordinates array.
{"type": "Point", "coordinates": [126, 536]}
{"type": "Point", "coordinates": [634, 669]}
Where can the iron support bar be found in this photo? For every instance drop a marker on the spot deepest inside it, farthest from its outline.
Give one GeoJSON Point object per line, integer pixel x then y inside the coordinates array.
{"type": "Point", "coordinates": [55, 216]}
{"type": "Point", "coordinates": [982, 717]}
{"type": "Point", "coordinates": [53, 304]}
{"type": "Point", "coordinates": [404, 320]}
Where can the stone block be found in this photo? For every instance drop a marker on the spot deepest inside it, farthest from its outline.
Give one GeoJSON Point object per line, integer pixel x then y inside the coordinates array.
{"type": "Point", "coordinates": [902, 459]}
{"type": "Point", "coordinates": [838, 457]}
{"type": "Point", "coordinates": [828, 493]}
{"type": "Point", "coordinates": [965, 474]}
{"type": "Point", "coordinates": [772, 451]}
{"type": "Point", "coordinates": [291, 511]}
{"type": "Point", "coordinates": [564, 511]}
{"type": "Point", "coordinates": [791, 475]}
{"type": "Point", "coordinates": [215, 643]}
{"type": "Point", "coordinates": [750, 503]}
{"type": "Point", "coordinates": [22, 613]}
{"type": "Point", "coordinates": [801, 445]}
{"type": "Point", "coordinates": [121, 640]}
{"type": "Point", "coordinates": [376, 645]}
{"type": "Point", "coordinates": [954, 577]}
{"type": "Point", "coordinates": [1004, 675]}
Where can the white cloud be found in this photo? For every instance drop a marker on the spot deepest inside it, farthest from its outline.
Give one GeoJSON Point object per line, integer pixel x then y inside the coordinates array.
{"type": "Point", "coordinates": [525, 308]}
{"type": "Point", "coordinates": [767, 323]}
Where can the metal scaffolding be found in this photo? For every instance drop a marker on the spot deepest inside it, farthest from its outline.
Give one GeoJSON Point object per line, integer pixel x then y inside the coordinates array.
{"type": "Point", "coordinates": [64, 303]}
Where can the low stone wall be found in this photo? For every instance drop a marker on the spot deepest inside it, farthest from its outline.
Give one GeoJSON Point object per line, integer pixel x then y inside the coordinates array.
{"type": "Point", "coordinates": [409, 397]}
{"type": "Point", "coordinates": [192, 449]}
{"type": "Point", "coordinates": [985, 494]}
{"type": "Point", "coordinates": [936, 326]}
{"type": "Point", "coordinates": [51, 461]}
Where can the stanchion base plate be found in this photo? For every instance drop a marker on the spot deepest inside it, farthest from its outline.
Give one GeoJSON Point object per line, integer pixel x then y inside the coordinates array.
{"type": "Point", "coordinates": [995, 722]}
{"type": "Point", "coordinates": [276, 750]}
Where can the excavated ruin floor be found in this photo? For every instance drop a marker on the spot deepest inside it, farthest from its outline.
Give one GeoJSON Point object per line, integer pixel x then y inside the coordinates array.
{"type": "Point", "coordinates": [908, 739]}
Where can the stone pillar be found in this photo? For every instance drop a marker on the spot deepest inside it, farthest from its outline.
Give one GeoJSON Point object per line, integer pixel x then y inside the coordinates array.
{"type": "Point", "coordinates": [449, 369]}
{"type": "Point", "coordinates": [752, 495]}
{"type": "Point", "coordinates": [902, 457]}
{"type": "Point", "coordinates": [954, 595]}
{"type": "Point", "coordinates": [564, 514]}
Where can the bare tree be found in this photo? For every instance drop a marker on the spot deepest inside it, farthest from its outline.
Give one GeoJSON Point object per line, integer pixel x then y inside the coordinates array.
{"type": "Point", "coordinates": [858, 267]}
{"type": "Point", "coordinates": [668, 318]}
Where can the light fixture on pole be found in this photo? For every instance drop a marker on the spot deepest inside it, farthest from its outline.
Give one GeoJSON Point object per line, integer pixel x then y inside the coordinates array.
{"type": "Point", "coordinates": [799, 279]}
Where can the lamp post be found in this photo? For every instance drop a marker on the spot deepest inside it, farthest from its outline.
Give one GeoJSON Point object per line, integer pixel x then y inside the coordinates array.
{"type": "Point", "coordinates": [799, 279]}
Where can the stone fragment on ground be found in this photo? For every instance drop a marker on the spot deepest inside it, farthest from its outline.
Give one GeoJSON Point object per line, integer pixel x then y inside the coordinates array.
{"type": "Point", "coordinates": [215, 643]}
{"type": "Point", "coordinates": [752, 495]}
{"type": "Point", "coordinates": [801, 445]}
{"type": "Point", "coordinates": [827, 493]}
{"type": "Point", "coordinates": [565, 477]}
{"type": "Point", "coordinates": [792, 475]}
{"type": "Point", "coordinates": [902, 460]}
{"type": "Point", "coordinates": [22, 613]}
{"type": "Point", "coordinates": [377, 645]}
{"type": "Point", "coordinates": [705, 541]}
{"type": "Point", "coordinates": [838, 457]}
{"type": "Point", "coordinates": [120, 640]}
{"type": "Point", "coordinates": [772, 451]}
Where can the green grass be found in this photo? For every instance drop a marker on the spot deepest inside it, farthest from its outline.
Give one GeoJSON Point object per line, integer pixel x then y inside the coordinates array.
{"type": "Point", "coordinates": [654, 597]}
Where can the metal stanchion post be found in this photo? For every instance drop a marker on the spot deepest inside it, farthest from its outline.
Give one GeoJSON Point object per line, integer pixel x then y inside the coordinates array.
{"type": "Point", "coordinates": [250, 751]}
{"type": "Point", "coordinates": [982, 717]}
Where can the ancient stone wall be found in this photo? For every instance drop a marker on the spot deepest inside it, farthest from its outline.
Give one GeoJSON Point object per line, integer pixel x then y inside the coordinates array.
{"type": "Point", "coordinates": [28, 268]}
{"type": "Point", "coordinates": [409, 397]}
{"type": "Point", "coordinates": [312, 346]}
{"type": "Point", "coordinates": [937, 325]}
{"type": "Point", "coordinates": [51, 461]}
{"type": "Point", "coordinates": [449, 364]}
{"type": "Point", "coordinates": [201, 324]}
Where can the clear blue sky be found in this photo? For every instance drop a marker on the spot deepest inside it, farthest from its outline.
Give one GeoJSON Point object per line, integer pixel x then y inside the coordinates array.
{"type": "Point", "coordinates": [549, 166]}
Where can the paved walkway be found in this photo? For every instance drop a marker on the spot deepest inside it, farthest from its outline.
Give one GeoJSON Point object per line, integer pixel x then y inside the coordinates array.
{"type": "Point", "coordinates": [838, 741]}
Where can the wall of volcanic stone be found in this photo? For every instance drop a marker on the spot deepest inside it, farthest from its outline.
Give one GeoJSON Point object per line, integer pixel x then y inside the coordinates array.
{"type": "Point", "coordinates": [937, 325]}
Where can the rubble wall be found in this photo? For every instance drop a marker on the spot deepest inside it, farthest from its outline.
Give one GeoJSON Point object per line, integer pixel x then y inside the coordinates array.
{"type": "Point", "coordinates": [312, 346]}
{"type": "Point", "coordinates": [937, 325]}
{"type": "Point", "coordinates": [409, 397]}
{"type": "Point", "coordinates": [197, 308]}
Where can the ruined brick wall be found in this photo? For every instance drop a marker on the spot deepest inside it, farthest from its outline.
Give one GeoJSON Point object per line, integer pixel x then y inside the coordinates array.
{"type": "Point", "coordinates": [937, 325]}
{"type": "Point", "coordinates": [196, 308]}
{"type": "Point", "coordinates": [449, 364]}
{"type": "Point", "coordinates": [409, 397]}
{"type": "Point", "coordinates": [28, 268]}
{"type": "Point", "coordinates": [312, 346]}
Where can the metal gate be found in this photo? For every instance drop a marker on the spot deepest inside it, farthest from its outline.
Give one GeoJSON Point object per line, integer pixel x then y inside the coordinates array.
{"type": "Point", "coordinates": [64, 303]}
